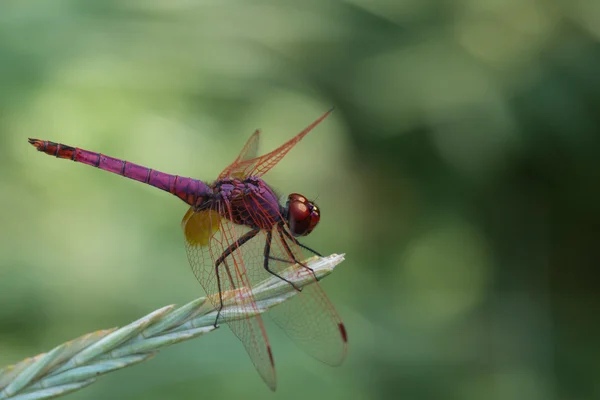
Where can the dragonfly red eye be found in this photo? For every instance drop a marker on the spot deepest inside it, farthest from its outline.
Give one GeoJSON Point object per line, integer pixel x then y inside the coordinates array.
{"type": "Point", "coordinates": [303, 215]}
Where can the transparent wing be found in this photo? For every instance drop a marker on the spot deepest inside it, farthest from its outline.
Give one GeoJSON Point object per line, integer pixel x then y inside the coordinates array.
{"type": "Point", "coordinates": [308, 318]}
{"type": "Point", "coordinates": [259, 166]}
{"type": "Point", "coordinates": [249, 151]}
{"type": "Point", "coordinates": [208, 237]}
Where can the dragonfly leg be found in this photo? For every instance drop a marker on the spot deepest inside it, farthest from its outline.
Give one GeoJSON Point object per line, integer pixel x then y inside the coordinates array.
{"type": "Point", "coordinates": [280, 229]}
{"type": "Point", "coordinates": [220, 296]}
{"type": "Point", "coordinates": [221, 260]}
{"type": "Point", "coordinates": [267, 257]}
{"type": "Point", "coordinates": [280, 260]}
{"type": "Point", "coordinates": [293, 239]}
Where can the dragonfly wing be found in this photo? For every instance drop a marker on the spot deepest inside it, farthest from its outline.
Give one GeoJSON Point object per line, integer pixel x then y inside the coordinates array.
{"type": "Point", "coordinates": [259, 166]}
{"type": "Point", "coordinates": [249, 151]}
{"type": "Point", "coordinates": [308, 318]}
{"type": "Point", "coordinates": [251, 332]}
{"type": "Point", "coordinates": [208, 236]}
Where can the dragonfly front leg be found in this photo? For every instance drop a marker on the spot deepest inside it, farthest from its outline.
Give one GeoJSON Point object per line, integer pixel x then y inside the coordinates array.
{"type": "Point", "coordinates": [268, 257]}
{"type": "Point", "coordinates": [280, 260]}
{"type": "Point", "coordinates": [293, 239]}
{"type": "Point", "coordinates": [281, 230]}
{"type": "Point", "coordinates": [234, 246]}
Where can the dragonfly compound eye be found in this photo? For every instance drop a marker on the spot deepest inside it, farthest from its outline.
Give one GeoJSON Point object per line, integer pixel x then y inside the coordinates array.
{"type": "Point", "coordinates": [303, 215]}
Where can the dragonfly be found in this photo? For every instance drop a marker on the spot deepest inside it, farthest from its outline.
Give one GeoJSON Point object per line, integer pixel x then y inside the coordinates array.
{"type": "Point", "coordinates": [238, 233]}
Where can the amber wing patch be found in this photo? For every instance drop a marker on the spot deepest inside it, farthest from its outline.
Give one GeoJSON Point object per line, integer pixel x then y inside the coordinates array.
{"type": "Point", "coordinates": [200, 226]}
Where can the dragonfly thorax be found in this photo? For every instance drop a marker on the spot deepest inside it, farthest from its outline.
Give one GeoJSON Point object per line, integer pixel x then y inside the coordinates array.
{"type": "Point", "coordinates": [249, 202]}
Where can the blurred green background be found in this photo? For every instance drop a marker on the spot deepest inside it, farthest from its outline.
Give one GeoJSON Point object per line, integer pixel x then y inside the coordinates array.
{"type": "Point", "coordinates": [460, 175]}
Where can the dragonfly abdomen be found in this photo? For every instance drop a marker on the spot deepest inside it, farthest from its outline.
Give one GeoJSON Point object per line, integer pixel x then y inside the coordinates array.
{"type": "Point", "coordinates": [192, 191]}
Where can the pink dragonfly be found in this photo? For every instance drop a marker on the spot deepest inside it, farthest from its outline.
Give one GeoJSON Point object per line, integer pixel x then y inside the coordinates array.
{"type": "Point", "coordinates": [237, 234]}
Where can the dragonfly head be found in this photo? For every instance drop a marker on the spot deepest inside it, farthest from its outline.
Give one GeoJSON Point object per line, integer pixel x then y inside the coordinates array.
{"type": "Point", "coordinates": [302, 214]}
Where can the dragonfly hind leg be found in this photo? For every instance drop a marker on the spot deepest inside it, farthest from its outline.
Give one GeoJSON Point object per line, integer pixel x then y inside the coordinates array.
{"type": "Point", "coordinates": [268, 257]}
{"type": "Point", "coordinates": [281, 230]}
{"type": "Point", "coordinates": [221, 260]}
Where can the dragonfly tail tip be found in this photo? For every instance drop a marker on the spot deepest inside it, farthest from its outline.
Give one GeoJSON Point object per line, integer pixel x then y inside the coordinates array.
{"type": "Point", "coordinates": [35, 142]}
